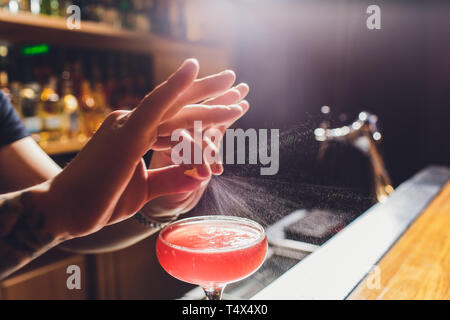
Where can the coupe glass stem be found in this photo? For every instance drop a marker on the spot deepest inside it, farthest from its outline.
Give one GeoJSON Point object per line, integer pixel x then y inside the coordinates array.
{"type": "Point", "coordinates": [213, 293]}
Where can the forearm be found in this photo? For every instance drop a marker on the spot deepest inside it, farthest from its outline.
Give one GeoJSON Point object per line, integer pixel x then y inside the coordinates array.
{"type": "Point", "coordinates": [23, 165]}
{"type": "Point", "coordinates": [123, 234]}
{"type": "Point", "coordinates": [27, 229]}
{"type": "Point", "coordinates": [111, 238]}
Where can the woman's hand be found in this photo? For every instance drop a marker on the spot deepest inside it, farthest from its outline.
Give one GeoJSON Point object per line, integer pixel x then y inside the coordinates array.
{"type": "Point", "coordinates": [108, 182]}
{"type": "Point", "coordinates": [170, 205]}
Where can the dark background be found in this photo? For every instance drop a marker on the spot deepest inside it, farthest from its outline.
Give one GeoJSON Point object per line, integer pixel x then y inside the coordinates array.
{"type": "Point", "coordinates": [300, 55]}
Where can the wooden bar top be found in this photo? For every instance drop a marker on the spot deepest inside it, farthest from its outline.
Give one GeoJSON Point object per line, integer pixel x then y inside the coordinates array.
{"type": "Point", "coordinates": [418, 265]}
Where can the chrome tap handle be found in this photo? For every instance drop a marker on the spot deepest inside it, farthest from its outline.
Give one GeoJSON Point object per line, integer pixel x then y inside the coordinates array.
{"type": "Point", "coordinates": [363, 133]}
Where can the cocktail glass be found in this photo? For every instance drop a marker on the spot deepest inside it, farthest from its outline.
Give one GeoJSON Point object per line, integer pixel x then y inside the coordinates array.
{"type": "Point", "coordinates": [212, 251]}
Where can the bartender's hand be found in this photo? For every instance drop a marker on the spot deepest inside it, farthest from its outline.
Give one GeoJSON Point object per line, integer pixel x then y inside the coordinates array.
{"type": "Point", "coordinates": [171, 205]}
{"type": "Point", "coordinates": [108, 182]}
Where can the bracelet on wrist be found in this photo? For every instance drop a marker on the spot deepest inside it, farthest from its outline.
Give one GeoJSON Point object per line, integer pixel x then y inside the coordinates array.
{"type": "Point", "coordinates": [153, 222]}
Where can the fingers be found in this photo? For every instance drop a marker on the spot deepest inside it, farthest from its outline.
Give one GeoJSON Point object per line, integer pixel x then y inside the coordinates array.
{"type": "Point", "coordinates": [172, 180]}
{"type": "Point", "coordinates": [203, 89]}
{"type": "Point", "coordinates": [165, 142]}
{"type": "Point", "coordinates": [215, 165]}
{"type": "Point", "coordinates": [231, 96]}
{"type": "Point", "coordinates": [161, 101]}
{"type": "Point", "coordinates": [208, 115]}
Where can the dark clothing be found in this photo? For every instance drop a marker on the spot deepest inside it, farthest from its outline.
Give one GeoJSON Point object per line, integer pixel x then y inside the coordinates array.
{"type": "Point", "coordinates": [11, 127]}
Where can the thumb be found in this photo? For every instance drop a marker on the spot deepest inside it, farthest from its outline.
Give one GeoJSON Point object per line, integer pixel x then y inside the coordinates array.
{"type": "Point", "coordinates": [175, 179]}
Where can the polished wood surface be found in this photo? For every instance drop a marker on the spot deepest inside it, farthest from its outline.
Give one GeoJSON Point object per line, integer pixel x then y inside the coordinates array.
{"type": "Point", "coordinates": [418, 265]}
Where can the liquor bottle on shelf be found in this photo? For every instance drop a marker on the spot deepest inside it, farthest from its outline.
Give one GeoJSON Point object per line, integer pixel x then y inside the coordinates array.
{"type": "Point", "coordinates": [29, 97]}
{"type": "Point", "coordinates": [13, 6]}
{"type": "Point", "coordinates": [50, 7]}
{"type": "Point", "coordinates": [50, 111]}
{"type": "Point", "coordinates": [111, 84]}
{"type": "Point", "coordinates": [4, 4]}
{"type": "Point", "coordinates": [141, 20]}
{"type": "Point", "coordinates": [92, 10]}
{"type": "Point", "coordinates": [24, 5]}
{"type": "Point", "coordinates": [100, 98]}
{"type": "Point", "coordinates": [126, 14]}
{"type": "Point", "coordinates": [77, 77]}
{"type": "Point", "coordinates": [63, 5]}
{"type": "Point", "coordinates": [35, 6]}
{"type": "Point", "coordinates": [93, 112]}
{"type": "Point", "coordinates": [15, 97]}
{"type": "Point", "coordinates": [71, 127]}
{"type": "Point", "coordinates": [111, 14]}
{"type": "Point", "coordinates": [127, 98]}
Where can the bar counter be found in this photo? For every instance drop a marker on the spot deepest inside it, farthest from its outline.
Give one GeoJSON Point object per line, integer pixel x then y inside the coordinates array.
{"type": "Point", "coordinates": [399, 249]}
{"type": "Point", "coordinates": [418, 265]}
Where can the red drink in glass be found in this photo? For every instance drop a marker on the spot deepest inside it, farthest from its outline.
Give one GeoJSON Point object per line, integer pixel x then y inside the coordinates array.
{"type": "Point", "coordinates": [211, 251]}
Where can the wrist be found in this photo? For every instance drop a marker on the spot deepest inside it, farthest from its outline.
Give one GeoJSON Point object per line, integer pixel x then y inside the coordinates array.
{"type": "Point", "coordinates": [45, 201]}
{"type": "Point", "coordinates": [150, 218]}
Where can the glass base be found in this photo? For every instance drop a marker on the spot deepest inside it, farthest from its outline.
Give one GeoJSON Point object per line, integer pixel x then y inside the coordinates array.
{"type": "Point", "coordinates": [214, 293]}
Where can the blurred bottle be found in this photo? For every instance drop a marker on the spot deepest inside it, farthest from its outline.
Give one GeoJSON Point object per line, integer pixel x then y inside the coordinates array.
{"type": "Point", "coordinates": [126, 14]}
{"type": "Point", "coordinates": [15, 88]}
{"type": "Point", "coordinates": [77, 77]}
{"type": "Point", "coordinates": [50, 111]}
{"type": "Point", "coordinates": [93, 111]}
{"type": "Point", "coordinates": [50, 7]}
{"type": "Point", "coordinates": [4, 4]}
{"type": "Point", "coordinates": [29, 97]}
{"type": "Point", "coordinates": [111, 14]}
{"type": "Point", "coordinates": [127, 98]}
{"type": "Point", "coordinates": [141, 19]}
{"type": "Point", "coordinates": [63, 5]}
{"type": "Point", "coordinates": [111, 85]}
{"type": "Point", "coordinates": [92, 10]}
{"type": "Point", "coordinates": [100, 99]}
{"type": "Point", "coordinates": [71, 127]}
{"type": "Point", "coordinates": [13, 6]}
{"type": "Point", "coordinates": [24, 5]}
{"type": "Point", "coordinates": [35, 6]}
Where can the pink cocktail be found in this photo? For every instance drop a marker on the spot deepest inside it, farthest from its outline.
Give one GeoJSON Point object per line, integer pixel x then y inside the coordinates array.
{"type": "Point", "coordinates": [211, 251]}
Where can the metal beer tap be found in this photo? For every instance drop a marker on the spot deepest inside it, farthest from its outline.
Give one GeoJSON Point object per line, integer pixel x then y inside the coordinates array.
{"type": "Point", "coordinates": [364, 135]}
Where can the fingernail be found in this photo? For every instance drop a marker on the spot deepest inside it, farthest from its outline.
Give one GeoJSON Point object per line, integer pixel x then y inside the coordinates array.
{"type": "Point", "coordinates": [243, 85]}
{"type": "Point", "coordinates": [191, 60]}
{"type": "Point", "coordinates": [245, 105]}
{"type": "Point", "coordinates": [193, 173]}
{"type": "Point", "coordinates": [228, 72]}
{"type": "Point", "coordinates": [217, 169]}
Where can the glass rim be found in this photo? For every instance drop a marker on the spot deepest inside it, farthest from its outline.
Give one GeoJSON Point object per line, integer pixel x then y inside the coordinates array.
{"type": "Point", "coordinates": [244, 221]}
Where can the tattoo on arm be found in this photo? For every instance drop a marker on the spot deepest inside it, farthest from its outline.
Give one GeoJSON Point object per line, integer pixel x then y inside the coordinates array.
{"type": "Point", "coordinates": [22, 233]}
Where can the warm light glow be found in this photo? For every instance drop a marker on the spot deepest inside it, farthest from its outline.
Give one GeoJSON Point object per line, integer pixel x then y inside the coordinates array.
{"type": "Point", "coordinates": [28, 93]}
{"type": "Point", "coordinates": [362, 116]}
{"type": "Point", "coordinates": [325, 109]}
{"type": "Point", "coordinates": [70, 103]}
{"type": "Point", "coordinates": [376, 136]}
{"type": "Point", "coordinates": [3, 51]}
